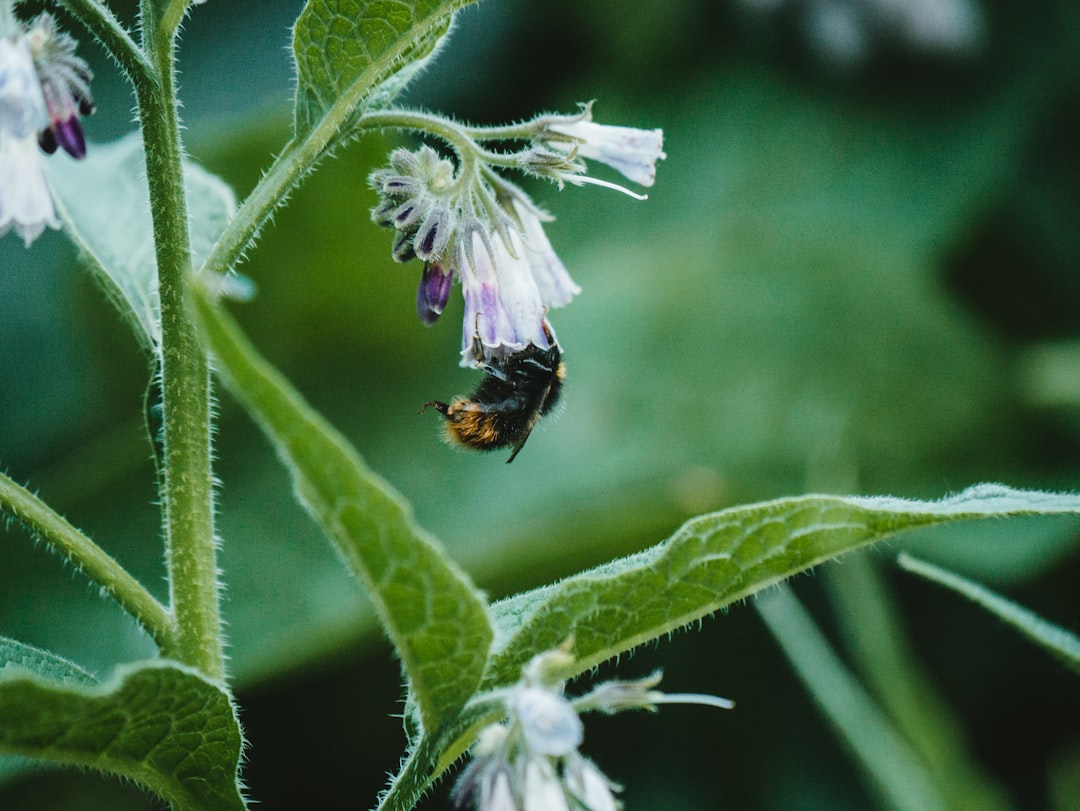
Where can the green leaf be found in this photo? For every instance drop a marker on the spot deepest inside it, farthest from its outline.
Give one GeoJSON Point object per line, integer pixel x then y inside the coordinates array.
{"type": "Point", "coordinates": [716, 559]}
{"type": "Point", "coordinates": [17, 655]}
{"type": "Point", "coordinates": [1060, 642]}
{"type": "Point", "coordinates": [361, 52]}
{"type": "Point", "coordinates": [105, 206]}
{"type": "Point", "coordinates": [157, 723]}
{"type": "Point", "coordinates": [436, 619]}
{"type": "Point", "coordinates": [901, 778]}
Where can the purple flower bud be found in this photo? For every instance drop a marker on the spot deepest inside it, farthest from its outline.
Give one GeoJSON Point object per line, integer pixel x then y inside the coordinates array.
{"type": "Point", "coordinates": [433, 235]}
{"type": "Point", "coordinates": [47, 141]}
{"type": "Point", "coordinates": [403, 248]}
{"type": "Point", "coordinates": [69, 135]}
{"type": "Point", "coordinates": [401, 187]}
{"type": "Point", "coordinates": [407, 215]}
{"type": "Point", "coordinates": [383, 214]}
{"type": "Point", "coordinates": [433, 293]}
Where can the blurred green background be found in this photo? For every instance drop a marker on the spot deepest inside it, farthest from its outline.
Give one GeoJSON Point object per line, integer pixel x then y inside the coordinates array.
{"type": "Point", "coordinates": [859, 271]}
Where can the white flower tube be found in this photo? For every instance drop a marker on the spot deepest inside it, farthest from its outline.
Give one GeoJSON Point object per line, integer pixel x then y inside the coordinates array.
{"type": "Point", "coordinates": [25, 201]}
{"type": "Point", "coordinates": [631, 152]}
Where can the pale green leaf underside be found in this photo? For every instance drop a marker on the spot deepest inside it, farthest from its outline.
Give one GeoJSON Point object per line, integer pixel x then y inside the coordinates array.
{"type": "Point", "coordinates": [159, 724]}
{"type": "Point", "coordinates": [105, 206]}
{"type": "Point", "coordinates": [903, 781]}
{"type": "Point", "coordinates": [716, 559]}
{"type": "Point", "coordinates": [15, 655]}
{"type": "Point", "coordinates": [434, 616]}
{"type": "Point", "coordinates": [345, 50]}
{"type": "Point", "coordinates": [1057, 640]}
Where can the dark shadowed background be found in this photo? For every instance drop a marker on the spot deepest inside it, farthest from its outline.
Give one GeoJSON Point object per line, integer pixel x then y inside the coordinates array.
{"type": "Point", "coordinates": [858, 272]}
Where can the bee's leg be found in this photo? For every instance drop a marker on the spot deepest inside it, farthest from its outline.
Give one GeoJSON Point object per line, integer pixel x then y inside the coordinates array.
{"type": "Point", "coordinates": [519, 444]}
{"type": "Point", "coordinates": [442, 408]}
{"type": "Point", "coordinates": [547, 330]}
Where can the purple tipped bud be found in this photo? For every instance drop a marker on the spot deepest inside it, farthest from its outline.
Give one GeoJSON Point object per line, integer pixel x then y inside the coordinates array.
{"type": "Point", "coordinates": [433, 235]}
{"type": "Point", "coordinates": [401, 187]}
{"type": "Point", "coordinates": [383, 214]}
{"type": "Point", "coordinates": [408, 215]}
{"type": "Point", "coordinates": [403, 248]}
{"type": "Point", "coordinates": [433, 293]}
{"type": "Point", "coordinates": [69, 135]}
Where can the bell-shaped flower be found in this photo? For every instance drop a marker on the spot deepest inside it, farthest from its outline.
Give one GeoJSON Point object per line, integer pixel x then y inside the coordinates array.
{"type": "Point", "coordinates": [22, 102]}
{"type": "Point", "coordinates": [631, 152]}
{"type": "Point", "coordinates": [542, 789]}
{"type": "Point", "coordinates": [549, 722]}
{"type": "Point", "coordinates": [25, 202]}
{"type": "Point", "coordinates": [26, 205]}
{"type": "Point", "coordinates": [590, 786]}
{"type": "Point", "coordinates": [503, 309]}
{"type": "Point", "coordinates": [552, 279]}
{"type": "Point", "coordinates": [44, 87]}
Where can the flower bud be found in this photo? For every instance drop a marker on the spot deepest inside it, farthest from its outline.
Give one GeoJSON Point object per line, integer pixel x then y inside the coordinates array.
{"type": "Point", "coordinates": [433, 293]}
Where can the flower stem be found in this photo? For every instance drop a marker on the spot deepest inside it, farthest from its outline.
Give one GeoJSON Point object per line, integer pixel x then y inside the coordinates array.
{"type": "Point", "coordinates": [91, 559]}
{"type": "Point", "coordinates": [103, 24]}
{"type": "Point", "coordinates": [187, 481]}
{"type": "Point", "coordinates": [297, 158]}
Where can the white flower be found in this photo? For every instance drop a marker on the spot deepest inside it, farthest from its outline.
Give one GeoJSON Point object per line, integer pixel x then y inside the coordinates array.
{"type": "Point", "coordinates": [504, 312]}
{"type": "Point", "coordinates": [22, 102]}
{"type": "Point", "coordinates": [542, 790]}
{"type": "Point", "coordinates": [498, 794]}
{"type": "Point", "coordinates": [556, 287]}
{"type": "Point", "coordinates": [631, 152]}
{"type": "Point", "coordinates": [549, 722]}
{"type": "Point", "coordinates": [25, 202]}
{"type": "Point", "coordinates": [43, 88]}
{"type": "Point", "coordinates": [590, 786]}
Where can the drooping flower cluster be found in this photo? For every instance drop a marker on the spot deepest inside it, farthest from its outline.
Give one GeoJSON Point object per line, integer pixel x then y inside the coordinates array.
{"type": "Point", "coordinates": [44, 89]}
{"type": "Point", "coordinates": [531, 762]}
{"type": "Point", "coordinates": [468, 223]}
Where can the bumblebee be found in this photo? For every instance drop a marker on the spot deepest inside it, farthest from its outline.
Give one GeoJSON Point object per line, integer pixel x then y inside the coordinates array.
{"type": "Point", "coordinates": [515, 393]}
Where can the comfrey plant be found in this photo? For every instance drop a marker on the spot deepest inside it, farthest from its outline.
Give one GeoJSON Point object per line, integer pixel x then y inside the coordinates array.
{"type": "Point", "coordinates": [488, 683]}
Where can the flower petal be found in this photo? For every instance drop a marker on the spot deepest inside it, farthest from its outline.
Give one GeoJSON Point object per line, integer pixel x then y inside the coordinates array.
{"type": "Point", "coordinates": [549, 722]}
{"type": "Point", "coordinates": [433, 293]}
{"type": "Point", "coordinates": [25, 201]}
{"type": "Point", "coordinates": [632, 152]}
{"type": "Point", "coordinates": [542, 790]}
{"type": "Point", "coordinates": [552, 279]}
{"type": "Point", "coordinates": [503, 309]}
{"type": "Point", "coordinates": [22, 103]}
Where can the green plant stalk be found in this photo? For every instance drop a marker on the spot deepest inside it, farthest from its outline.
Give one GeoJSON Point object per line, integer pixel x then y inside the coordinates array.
{"type": "Point", "coordinates": [885, 755]}
{"type": "Point", "coordinates": [297, 158]}
{"type": "Point", "coordinates": [869, 619]}
{"type": "Point", "coordinates": [91, 559]}
{"type": "Point", "coordinates": [187, 482]}
{"type": "Point", "coordinates": [1056, 640]}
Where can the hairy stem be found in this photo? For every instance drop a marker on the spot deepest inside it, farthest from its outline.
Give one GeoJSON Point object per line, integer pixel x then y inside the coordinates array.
{"type": "Point", "coordinates": [299, 157]}
{"type": "Point", "coordinates": [91, 559]}
{"type": "Point", "coordinates": [103, 25]}
{"type": "Point", "coordinates": [187, 481]}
